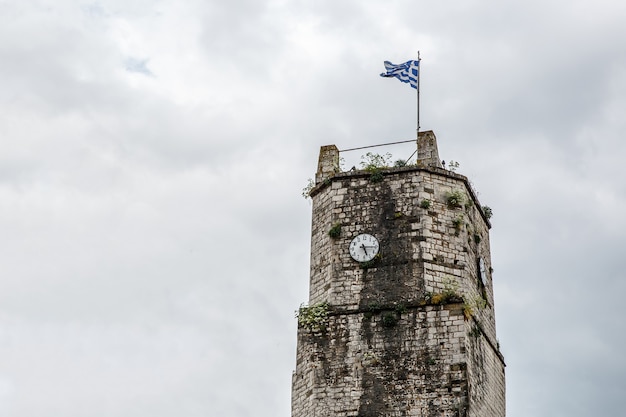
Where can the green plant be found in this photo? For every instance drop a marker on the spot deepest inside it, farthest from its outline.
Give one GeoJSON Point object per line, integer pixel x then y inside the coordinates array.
{"type": "Point", "coordinates": [306, 191]}
{"type": "Point", "coordinates": [475, 332]}
{"type": "Point", "coordinates": [476, 238]}
{"type": "Point", "coordinates": [468, 311]}
{"type": "Point", "coordinates": [400, 308]}
{"type": "Point", "coordinates": [480, 303]}
{"type": "Point", "coordinates": [374, 161]}
{"type": "Point", "coordinates": [400, 163]}
{"type": "Point", "coordinates": [450, 293]}
{"type": "Point", "coordinates": [450, 285]}
{"type": "Point", "coordinates": [342, 164]}
{"type": "Point", "coordinates": [472, 305]}
{"type": "Point", "coordinates": [389, 319]}
{"type": "Point", "coordinates": [374, 306]}
{"type": "Point", "coordinates": [445, 298]}
{"type": "Point", "coordinates": [335, 231]}
{"type": "Point", "coordinates": [455, 198]}
{"type": "Point", "coordinates": [428, 298]}
{"type": "Point", "coordinates": [376, 176]}
{"type": "Point", "coordinates": [425, 204]}
{"type": "Point", "coordinates": [313, 317]}
{"type": "Point", "coordinates": [437, 298]}
{"type": "Point", "coordinates": [453, 165]}
{"type": "Point", "coordinates": [458, 222]}
{"type": "Point", "coordinates": [398, 214]}
{"type": "Point", "coordinates": [487, 212]}
{"type": "Point", "coordinates": [370, 359]}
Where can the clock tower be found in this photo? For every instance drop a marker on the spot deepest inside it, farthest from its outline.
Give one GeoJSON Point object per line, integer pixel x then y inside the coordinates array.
{"type": "Point", "coordinates": [400, 318]}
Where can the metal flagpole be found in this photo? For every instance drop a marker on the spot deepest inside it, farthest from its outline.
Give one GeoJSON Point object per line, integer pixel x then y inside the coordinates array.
{"type": "Point", "coordinates": [419, 70]}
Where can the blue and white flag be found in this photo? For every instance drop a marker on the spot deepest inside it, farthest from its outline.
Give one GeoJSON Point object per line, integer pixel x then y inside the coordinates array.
{"type": "Point", "coordinates": [407, 72]}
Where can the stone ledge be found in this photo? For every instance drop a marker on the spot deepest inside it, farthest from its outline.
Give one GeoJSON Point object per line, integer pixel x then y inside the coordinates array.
{"type": "Point", "coordinates": [399, 170]}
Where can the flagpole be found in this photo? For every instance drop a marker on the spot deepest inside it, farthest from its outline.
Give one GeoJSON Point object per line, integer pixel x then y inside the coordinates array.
{"type": "Point", "coordinates": [419, 71]}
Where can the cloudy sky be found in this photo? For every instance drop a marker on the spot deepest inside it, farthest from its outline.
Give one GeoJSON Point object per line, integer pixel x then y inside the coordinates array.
{"type": "Point", "coordinates": [154, 240]}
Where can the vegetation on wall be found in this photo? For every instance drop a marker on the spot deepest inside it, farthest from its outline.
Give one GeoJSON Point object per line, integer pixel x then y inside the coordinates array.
{"type": "Point", "coordinates": [389, 319]}
{"type": "Point", "coordinates": [306, 191]}
{"type": "Point", "coordinates": [374, 163]}
{"type": "Point", "coordinates": [370, 359]}
{"type": "Point", "coordinates": [487, 211]}
{"type": "Point", "coordinates": [390, 313]}
{"type": "Point", "coordinates": [453, 165]}
{"type": "Point", "coordinates": [376, 176]}
{"type": "Point", "coordinates": [475, 332]}
{"type": "Point", "coordinates": [372, 308]}
{"type": "Point", "coordinates": [445, 298]}
{"type": "Point", "coordinates": [425, 204]}
{"type": "Point", "coordinates": [400, 308]}
{"type": "Point", "coordinates": [458, 222]}
{"type": "Point", "coordinates": [335, 231]}
{"type": "Point", "coordinates": [314, 318]}
{"type": "Point", "coordinates": [455, 198]}
{"type": "Point", "coordinates": [471, 306]}
{"type": "Point", "coordinates": [450, 293]}
{"type": "Point", "coordinates": [400, 163]}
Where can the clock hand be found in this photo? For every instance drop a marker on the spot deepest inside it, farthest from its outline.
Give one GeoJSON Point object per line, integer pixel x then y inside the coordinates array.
{"type": "Point", "coordinates": [364, 248]}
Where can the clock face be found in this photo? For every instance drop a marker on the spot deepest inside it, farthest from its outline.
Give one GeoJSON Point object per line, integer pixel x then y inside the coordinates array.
{"type": "Point", "coordinates": [483, 271]}
{"type": "Point", "coordinates": [364, 248]}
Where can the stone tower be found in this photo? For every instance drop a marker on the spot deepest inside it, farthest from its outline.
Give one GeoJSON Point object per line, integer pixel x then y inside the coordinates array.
{"type": "Point", "coordinates": [410, 331]}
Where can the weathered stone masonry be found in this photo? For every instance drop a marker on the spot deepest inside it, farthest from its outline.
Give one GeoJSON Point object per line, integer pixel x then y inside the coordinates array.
{"type": "Point", "coordinates": [413, 333]}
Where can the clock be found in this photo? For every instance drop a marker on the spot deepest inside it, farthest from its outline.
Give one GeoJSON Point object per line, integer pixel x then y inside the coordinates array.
{"type": "Point", "coordinates": [364, 247]}
{"type": "Point", "coordinates": [482, 271]}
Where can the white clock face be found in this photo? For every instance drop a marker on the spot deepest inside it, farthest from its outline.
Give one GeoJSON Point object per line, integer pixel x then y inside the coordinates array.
{"type": "Point", "coordinates": [483, 271]}
{"type": "Point", "coordinates": [364, 248]}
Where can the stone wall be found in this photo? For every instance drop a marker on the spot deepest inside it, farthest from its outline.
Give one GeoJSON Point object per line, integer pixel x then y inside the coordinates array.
{"type": "Point", "coordinates": [364, 365]}
{"type": "Point", "coordinates": [395, 344]}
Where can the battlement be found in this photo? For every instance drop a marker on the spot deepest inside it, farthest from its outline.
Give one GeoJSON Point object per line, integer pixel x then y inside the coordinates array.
{"type": "Point", "coordinates": [328, 164]}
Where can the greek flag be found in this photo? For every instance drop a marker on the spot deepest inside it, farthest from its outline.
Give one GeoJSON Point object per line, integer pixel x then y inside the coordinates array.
{"type": "Point", "coordinates": [406, 72]}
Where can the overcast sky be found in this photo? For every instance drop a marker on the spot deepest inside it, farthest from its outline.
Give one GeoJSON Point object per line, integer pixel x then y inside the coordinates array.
{"type": "Point", "coordinates": [154, 240]}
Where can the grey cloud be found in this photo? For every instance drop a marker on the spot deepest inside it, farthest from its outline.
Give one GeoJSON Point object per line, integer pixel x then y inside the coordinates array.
{"type": "Point", "coordinates": [155, 243]}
